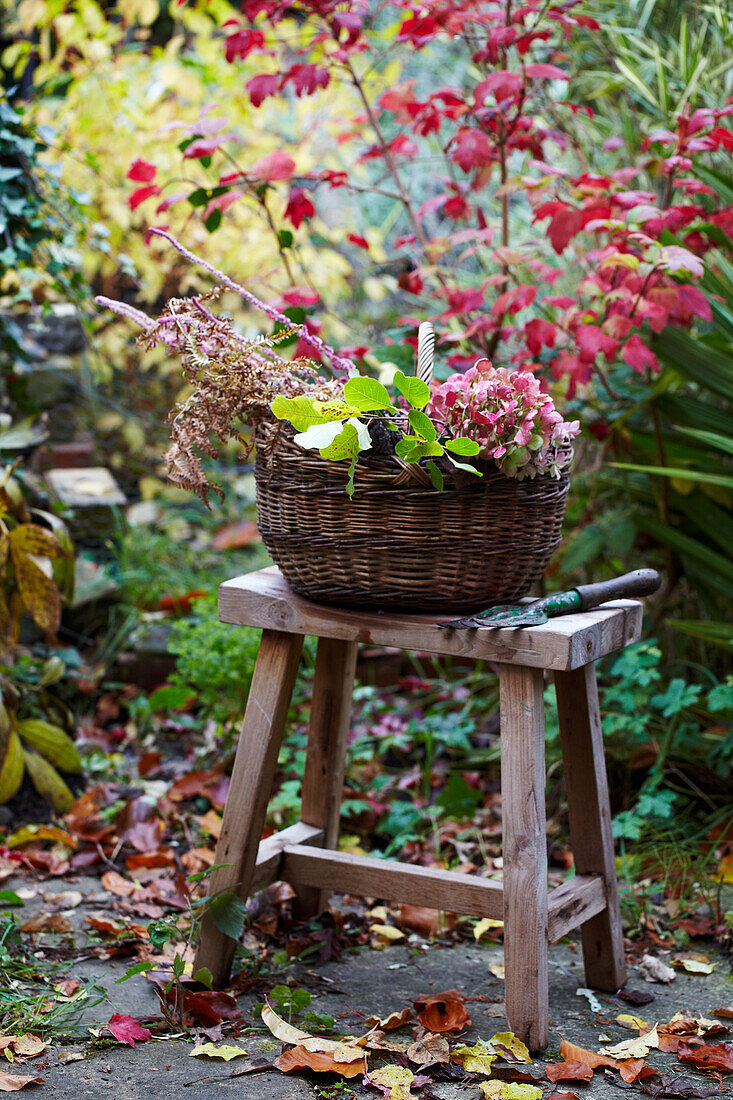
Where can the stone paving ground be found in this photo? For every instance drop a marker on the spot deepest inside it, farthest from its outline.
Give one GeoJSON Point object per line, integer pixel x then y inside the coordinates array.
{"type": "Point", "coordinates": [368, 981]}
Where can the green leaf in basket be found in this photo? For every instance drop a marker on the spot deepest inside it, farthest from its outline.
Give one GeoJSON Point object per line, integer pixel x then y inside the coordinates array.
{"type": "Point", "coordinates": [435, 476]}
{"type": "Point", "coordinates": [353, 438]}
{"type": "Point", "coordinates": [422, 425]}
{"type": "Point", "coordinates": [462, 445]}
{"type": "Point", "coordinates": [414, 390]}
{"type": "Point", "coordinates": [303, 412]}
{"type": "Point", "coordinates": [464, 466]}
{"type": "Point", "coordinates": [412, 449]}
{"type": "Point", "coordinates": [366, 394]}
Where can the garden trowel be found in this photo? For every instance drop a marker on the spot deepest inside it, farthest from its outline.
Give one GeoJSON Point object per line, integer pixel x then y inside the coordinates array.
{"type": "Point", "coordinates": [642, 582]}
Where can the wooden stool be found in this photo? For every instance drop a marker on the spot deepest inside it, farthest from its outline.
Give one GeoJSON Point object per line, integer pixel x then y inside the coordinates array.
{"type": "Point", "coordinates": [303, 854]}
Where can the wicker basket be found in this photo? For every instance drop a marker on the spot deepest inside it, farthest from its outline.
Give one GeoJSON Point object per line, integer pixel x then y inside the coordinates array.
{"type": "Point", "coordinates": [396, 543]}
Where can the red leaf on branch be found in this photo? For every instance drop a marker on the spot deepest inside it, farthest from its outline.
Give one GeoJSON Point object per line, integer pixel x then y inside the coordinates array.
{"type": "Point", "coordinates": [541, 71]}
{"type": "Point", "coordinates": [638, 355]}
{"type": "Point", "coordinates": [299, 207]}
{"type": "Point", "coordinates": [512, 301]}
{"type": "Point", "coordinates": [170, 201]}
{"type": "Point", "coordinates": [242, 42]}
{"type": "Point", "coordinates": [141, 195]}
{"type": "Point", "coordinates": [261, 86]}
{"type": "Point", "coordinates": [504, 85]}
{"type": "Point", "coordinates": [419, 29]}
{"type": "Point", "coordinates": [306, 79]}
{"type": "Point", "coordinates": [591, 340]}
{"type": "Point", "coordinates": [471, 149]}
{"type": "Point", "coordinates": [141, 171]}
{"type": "Point", "coordinates": [126, 1029]}
{"type": "Point", "coordinates": [539, 333]}
{"type": "Point", "coordinates": [205, 147]}
{"type": "Point", "coordinates": [360, 242]}
{"type": "Point", "coordinates": [274, 166]}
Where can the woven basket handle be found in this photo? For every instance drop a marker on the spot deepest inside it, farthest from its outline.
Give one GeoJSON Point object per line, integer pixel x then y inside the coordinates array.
{"type": "Point", "coordinates": [425, 352]}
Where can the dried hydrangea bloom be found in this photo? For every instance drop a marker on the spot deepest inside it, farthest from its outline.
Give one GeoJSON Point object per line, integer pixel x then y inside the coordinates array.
{"type": "Point", "coordinates": [510, 417]}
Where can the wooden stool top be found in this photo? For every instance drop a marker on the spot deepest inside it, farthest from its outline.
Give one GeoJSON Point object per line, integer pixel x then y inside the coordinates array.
{"type": "Point", "coordinates": [264, 599]}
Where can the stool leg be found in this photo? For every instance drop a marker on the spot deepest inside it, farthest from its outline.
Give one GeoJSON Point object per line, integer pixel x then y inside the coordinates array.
{"type": "Point", "coordinates": [328, 734]}
{"type": "Point", "coordinates": [590, 820]}
{"type": "Point", "coordinates": [524, 852]}
{"type": "Point", "coordinates": [254, 770]}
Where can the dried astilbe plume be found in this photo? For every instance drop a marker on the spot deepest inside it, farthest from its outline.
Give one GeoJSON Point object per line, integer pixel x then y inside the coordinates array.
{"type": "Point", "coordinates": [233, 379]}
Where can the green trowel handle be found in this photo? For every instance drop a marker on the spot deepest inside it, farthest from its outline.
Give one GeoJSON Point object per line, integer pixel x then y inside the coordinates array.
{"type": "Point", "coordinates": [642, 582]}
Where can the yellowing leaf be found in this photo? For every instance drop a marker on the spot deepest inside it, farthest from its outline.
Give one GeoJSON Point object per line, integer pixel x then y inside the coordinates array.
{"type": "Point", "coordinates": [486, 924]}
{"type": "Point", "coordinates": [635, 1048]}
{"type": "Point", "coordinates": [52, 742]}
{"type": "Point", "coordinates": [29, 538]}
{"type": "Point", "coordinates": [498, 970]}
{"type": "Point", "coordinates": [48, 782]}
{"type": "Point", "coordinates": [38, 592]}
{"type": "Point", "coordinates": [211, 1050]}
{"type": "Point", "coordinates": [694, 964]}
{"type": "Point", "coordinates": [40, 832]}
{"type": "Point", "coordinates": [476, 1059]}
{"type": "Point", "coordinates": [507, 1090]}
{"type": "Point", "coordinates": [621, 259]}
{"type": "Point", "coordinates": [11, 770]}
{"type": "Point", "coordinates": [396, 1079]}
{"type": "Point", "coordinates": [633, 1023]}
{"type": "Point", "coordinates": [386, 933]}
{"type": "Point", "coordinates": [508, 1041]}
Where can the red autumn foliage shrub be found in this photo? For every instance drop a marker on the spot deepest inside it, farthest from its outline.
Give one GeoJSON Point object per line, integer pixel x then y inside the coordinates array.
{"type": "Point", "coordinates": [634, 234]}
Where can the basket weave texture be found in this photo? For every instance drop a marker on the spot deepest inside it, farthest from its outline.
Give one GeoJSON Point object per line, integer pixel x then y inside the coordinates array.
{"type": "Point", "coordinates": [399, 544]}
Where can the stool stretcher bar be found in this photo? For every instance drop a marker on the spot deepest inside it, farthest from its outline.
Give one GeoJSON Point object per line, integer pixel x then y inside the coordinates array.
{"type": "Point", "coordinates": [283, 857]}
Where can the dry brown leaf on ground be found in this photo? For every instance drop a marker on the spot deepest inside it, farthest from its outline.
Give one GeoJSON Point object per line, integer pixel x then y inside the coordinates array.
{"type": "Point", "coordinates": [389, 1023]}
{"type": "Point", "coordinates": [725, 1011]}
{"type": "Point", "coordinates": [378, 1040]}
{"type": "Point", "coordinates": [11, 1082]}
{"type": "Point", "coordinates": [636, 996]}
{"type": "Point", "coordinates": [442, 1012]}
{"type": "Point", "coordinates": [320, 1062]}
{"type": "Point", "coordinates": [568, 1071]}
{"type": "Point", "coordinates": [48, 922]}
{"type": "Point", "coordinates": [114, 883]}
{"type": "Point", "coordinates": [29, 1046]}
{"type": "Point", "coordinates": [429, 1050]}
{"type": "Point", "coordinates": [710, 1056]}
{"type": "Point", "coordinates": [207, 1007]}
{"type": "Point", "coordinates": [426, 922]}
